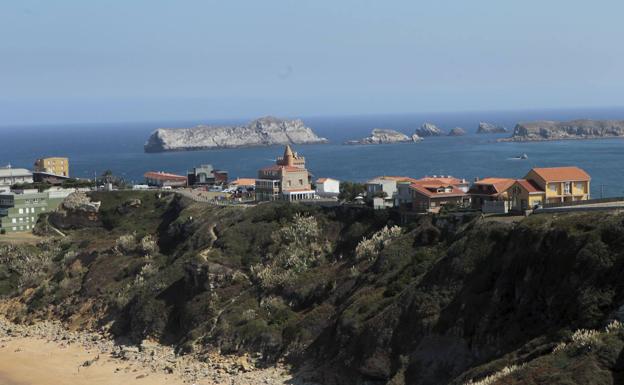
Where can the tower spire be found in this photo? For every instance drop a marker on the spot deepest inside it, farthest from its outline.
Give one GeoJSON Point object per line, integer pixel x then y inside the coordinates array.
{"type": "Point", "coordinates": [289, 156]}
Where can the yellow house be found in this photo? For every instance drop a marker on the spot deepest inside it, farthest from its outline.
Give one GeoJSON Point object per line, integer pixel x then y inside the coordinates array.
{"type": "Point", "coordinates": [525, 194]}
{"type": "Point", "coordinates": [550, 185]}
{"type": "Point", "coordinates": [561, 184]}
{"type": "Point", "coordinates": [53, 165]}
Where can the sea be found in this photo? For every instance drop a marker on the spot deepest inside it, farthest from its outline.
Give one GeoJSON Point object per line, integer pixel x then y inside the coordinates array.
{"type": "Point", "coordinates": [96, 147]}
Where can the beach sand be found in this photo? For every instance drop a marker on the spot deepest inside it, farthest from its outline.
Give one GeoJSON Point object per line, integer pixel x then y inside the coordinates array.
{"type": "Point", "coordinates": [33, 361]}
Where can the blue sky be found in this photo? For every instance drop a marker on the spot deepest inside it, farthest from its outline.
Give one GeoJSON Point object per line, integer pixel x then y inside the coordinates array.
{"type": "Point", "coordinates": [94, 61]}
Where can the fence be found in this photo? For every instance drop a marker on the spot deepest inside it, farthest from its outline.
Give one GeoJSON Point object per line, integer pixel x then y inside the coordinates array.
{"type": "Point", "coordinates": [582, 203]}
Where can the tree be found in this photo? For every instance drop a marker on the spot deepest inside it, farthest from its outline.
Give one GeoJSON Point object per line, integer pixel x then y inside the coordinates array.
{"type": "Point", "coordinates": [350, 190]}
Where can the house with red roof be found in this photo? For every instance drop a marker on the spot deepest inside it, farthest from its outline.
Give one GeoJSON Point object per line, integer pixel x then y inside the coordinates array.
{"type": "Point", "coordinates": [491, 194]}
{"type": "Point", "coordinates": [430, 194]}
{"type": "Point", "coordinates": [164, 179]}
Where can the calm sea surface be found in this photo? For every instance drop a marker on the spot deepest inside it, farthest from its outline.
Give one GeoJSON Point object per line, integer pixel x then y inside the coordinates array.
{"type": "Point", "coordinates": [93, 148]}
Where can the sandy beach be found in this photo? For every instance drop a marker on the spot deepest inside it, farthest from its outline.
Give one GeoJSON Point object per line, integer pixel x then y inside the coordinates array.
{"type": "Point", "coordinates": [33, 361]}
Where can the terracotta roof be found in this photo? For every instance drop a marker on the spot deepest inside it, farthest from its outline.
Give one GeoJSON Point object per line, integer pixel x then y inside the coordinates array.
{"type": "Point", "coordinates": [562, 174]}
{"type": "Point", "coordinates": [499, 184]}
{"type": "Point", "coordinates": [424, 190]}
{"type": "Point", "coordinates": [159, 175]}
{"type": "Point", "coordinates": [529, 186]}
{"type": "Point", "coordinates": [244, 182]}
{"type": "Point", "coordinates": [441, 179]}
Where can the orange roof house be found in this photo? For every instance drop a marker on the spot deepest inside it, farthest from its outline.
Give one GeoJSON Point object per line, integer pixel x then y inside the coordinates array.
{"type": "Point", "coordinates": [490, 189]}
{"type": "Point", "coordinates": [561, 184]}
{"type": "Point", "coordinates": [431, 193]}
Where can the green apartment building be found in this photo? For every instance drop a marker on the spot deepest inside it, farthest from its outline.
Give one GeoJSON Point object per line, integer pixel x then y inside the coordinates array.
{"type": "Point", "coordinates": [19, 211]}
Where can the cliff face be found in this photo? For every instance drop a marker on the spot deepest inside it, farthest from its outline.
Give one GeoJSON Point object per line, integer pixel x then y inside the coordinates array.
{"type": "Point", "coordinates": [575, 129]}
{"type": "Point", "coordinates": [488, 128]}
{"type": "Point", "coordinates": [260, 132]}
{"type": "Point", "coordinates": [381, 136]}
{"type": "Point", "coordinates": [359, 299]}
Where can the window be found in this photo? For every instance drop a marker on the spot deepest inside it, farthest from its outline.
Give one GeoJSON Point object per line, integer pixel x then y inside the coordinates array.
{"type": "Point", "coordinates": [301, 182]}
{"type": "Point", "coordinates": [21, 211]}
{"type": "Point", "coordinates": [567, 188]}
{"type": "Point", "coordinates": [552, 187]}
{"type": "Point", "coordinates": [13, 220]}
{"type": "Point", "coordinates": [579, 186]}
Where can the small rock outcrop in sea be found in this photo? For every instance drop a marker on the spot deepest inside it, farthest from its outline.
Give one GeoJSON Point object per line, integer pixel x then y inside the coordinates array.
{"type": "Point", "coordinates": [575, 129]}
{"type": "Point", "coordinates": [488, 128]}
{"type": "Point", "coordinates": [381, 136]}
{"type": "Point", "coordinates": [457, 131]}
{"type": "Point", "coordinates": [429, 129]}
{"type": "Point", "coordinates": [260, 132]}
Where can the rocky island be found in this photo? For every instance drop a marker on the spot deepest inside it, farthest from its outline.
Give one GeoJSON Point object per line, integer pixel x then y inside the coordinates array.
{"type": "Point", "coordinates": [429, 129]}
{"type": "Point", "coordinates": [382, 136]}
{"type": "Point", "coordinates": [260, 132]}
{"type": "Point", "coordinates": [457, 131]}
{"type": "Point", "coordinates": [575, 129]}
{"type": "Point", "coordinates": [488, 128]}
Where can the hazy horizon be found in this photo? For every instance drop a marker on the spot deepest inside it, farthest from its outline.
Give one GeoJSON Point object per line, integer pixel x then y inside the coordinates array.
{"type": "Point", "coordinates": [71, 61]}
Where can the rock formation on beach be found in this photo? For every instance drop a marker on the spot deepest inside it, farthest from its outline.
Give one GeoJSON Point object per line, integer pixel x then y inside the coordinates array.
{"type": "Point", "coordinates": [457, 131]}
{"type": "Point", "coordinates": [429, 129]}
{"type": "Point", "coordinates": [260, 132]}
{"type": "Point", "coordinates": [488, 128]}
{"type": "Point", "coordinates": [575, 129]}
{"type": "Point", "coordinates": [381, 136]}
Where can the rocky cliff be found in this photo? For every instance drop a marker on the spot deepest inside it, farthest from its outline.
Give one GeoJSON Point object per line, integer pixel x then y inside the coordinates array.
{"type": "Point", "coordinates": [429, 129]}
{"type": "Point", "coordinates": [260, 132]}
{"type": "Point", "coordinates": [457, 131]}
{"type": "Point", "coordinates": [575, 129]}
{"type": "Point", "coordinates": [358, 296]}
{"type": "Point", "coordinates": [381, 136]}
{"type": "Point", "coordinates": [488, 128]}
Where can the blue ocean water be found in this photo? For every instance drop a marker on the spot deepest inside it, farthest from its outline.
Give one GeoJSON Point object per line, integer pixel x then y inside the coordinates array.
{"type": "Point", "coordinates": [93, 148]}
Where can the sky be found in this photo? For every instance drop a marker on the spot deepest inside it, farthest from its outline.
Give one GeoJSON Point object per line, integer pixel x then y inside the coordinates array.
{"type": "Point", "coordinates": [132, 60]}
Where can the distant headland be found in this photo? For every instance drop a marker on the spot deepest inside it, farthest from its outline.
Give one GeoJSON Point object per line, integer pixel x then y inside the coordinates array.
{"type": "Point", "coordinates": [575, 129]}
{"type": "Point", "coordinates": [265, 131]}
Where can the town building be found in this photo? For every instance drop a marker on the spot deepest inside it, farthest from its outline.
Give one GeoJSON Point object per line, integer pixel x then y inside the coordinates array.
{"type": "Point", "coordinates": [327, 187]}
{"type": "Point", "coordinates": [53, 165]}
{"type": "Point", "coordinates": [20, 209]}
{"type": "Point", "coordinates": [525, 194]}
{"type": "Point", "coordinates": [491, 195]}
{"type": "Point", "coordinates": [430, 194]}
{"type": "Point", "coordinates": [10, 176]}
{"type": "Point", "coordinates": [206, 175]}
{"type": "Point", "coordinates": [45, 177]}
{"type": "Point", "coordinates": [287, 180]}
{"type": "Point", "coordinates": [561, 184]}
{"type": "Point", "coordinates": [550, 185]}
{"type": "Point", "coordinates": [243, 183]}
{"type": "Point", "coordinates": [383, 191]}
{"type": "Point", "coordinates": [164, 179]}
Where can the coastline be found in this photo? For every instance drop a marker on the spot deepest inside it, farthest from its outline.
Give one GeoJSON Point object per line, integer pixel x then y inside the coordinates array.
{"type": "Point", "coordinates": [33, 354]}
{"type": "Point", "coordinates": [512, 140]}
